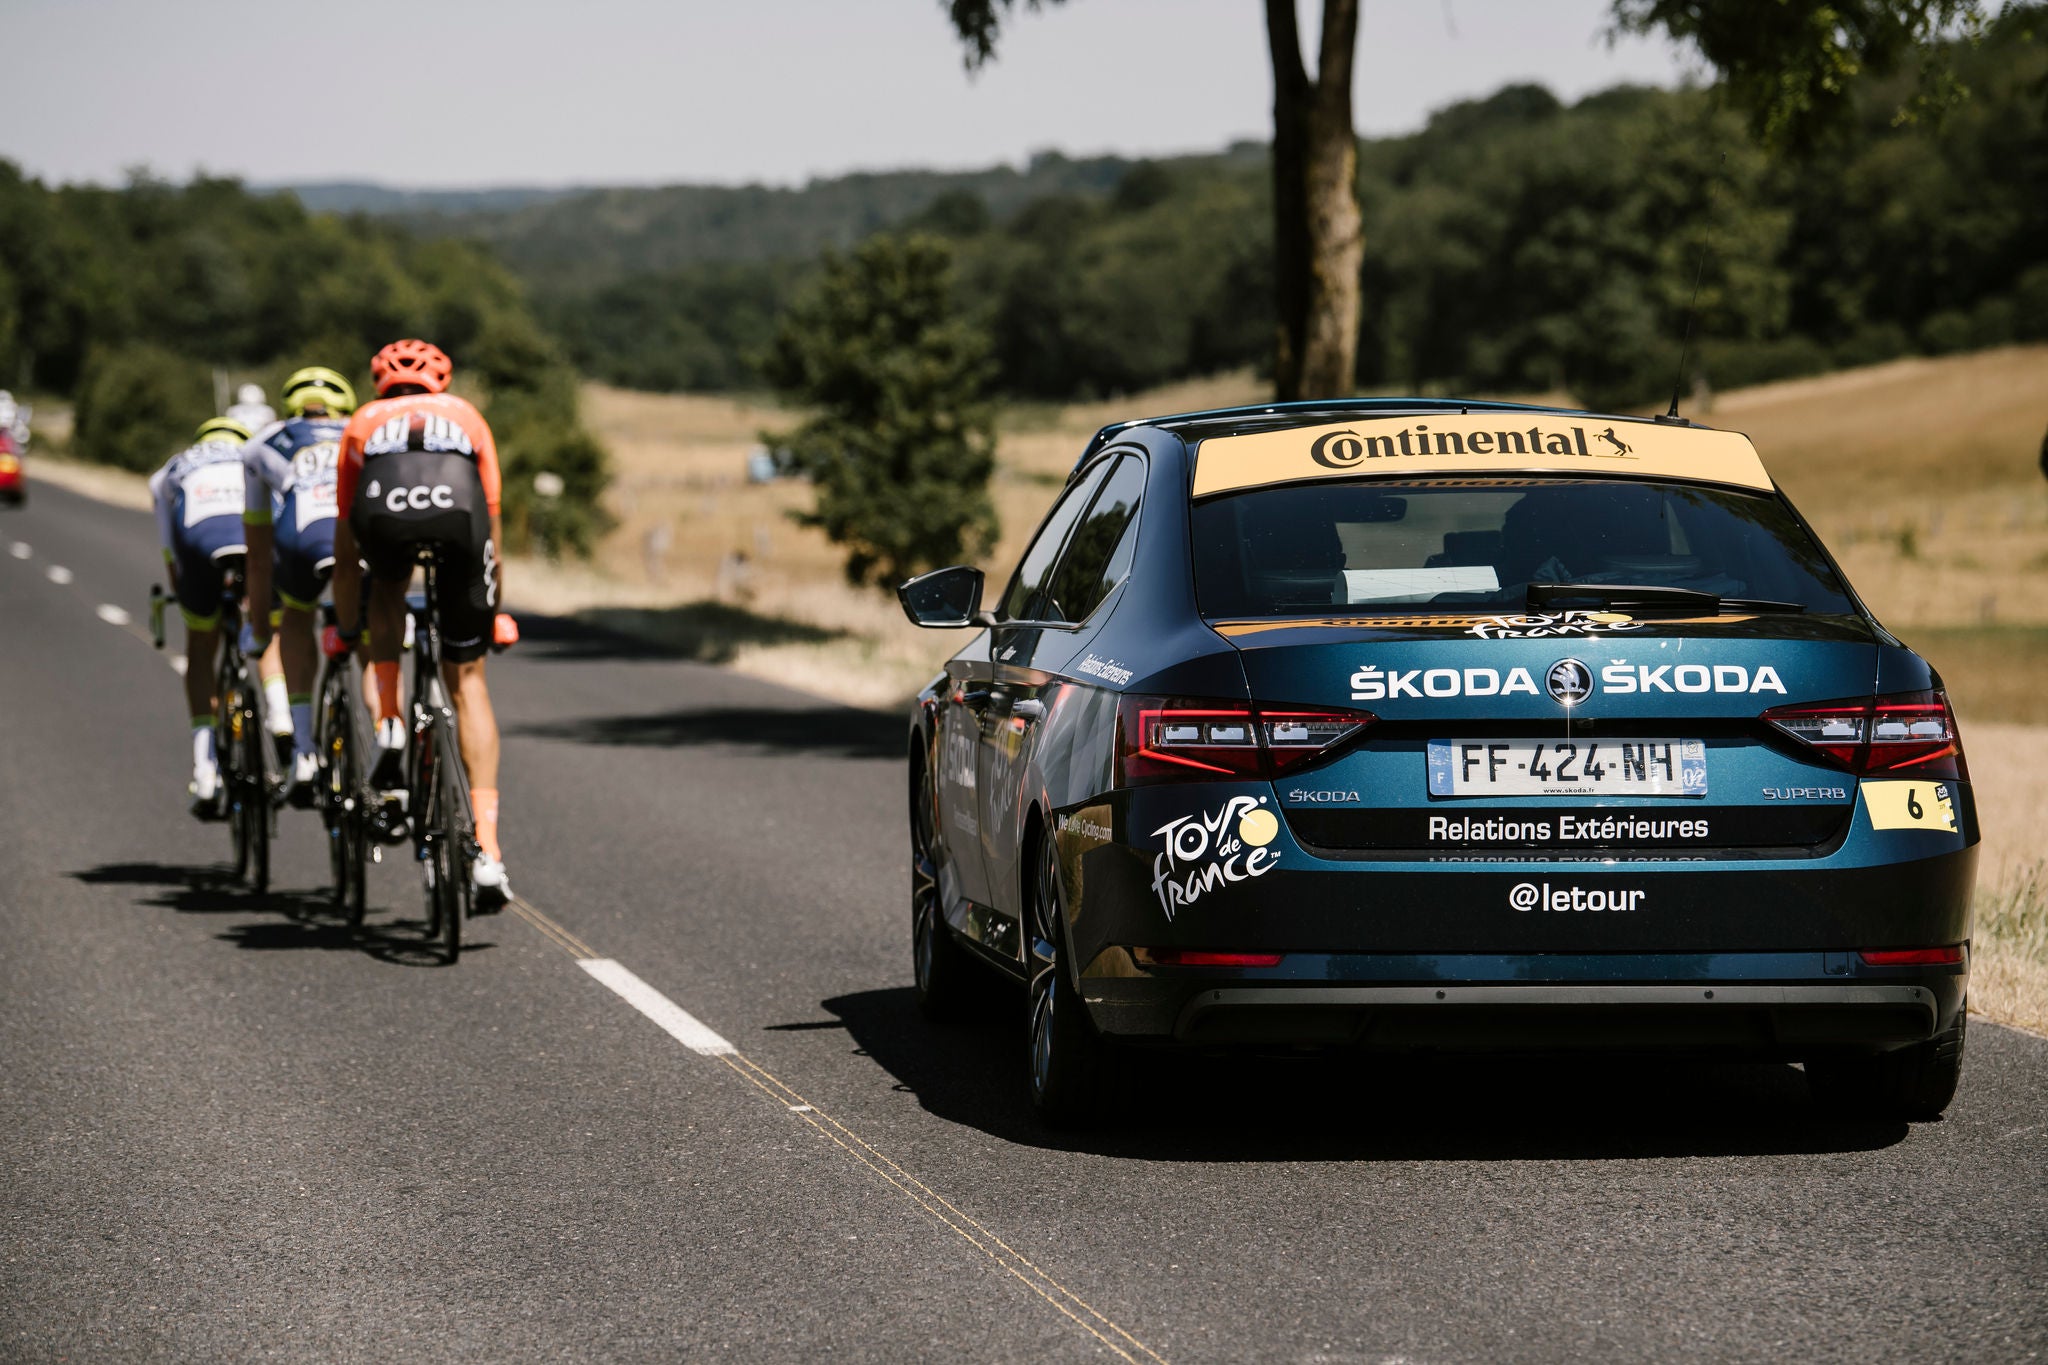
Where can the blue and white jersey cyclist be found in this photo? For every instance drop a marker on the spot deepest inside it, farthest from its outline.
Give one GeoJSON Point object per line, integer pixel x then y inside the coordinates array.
{"type": "Point", "coordinates": [198, 496]}
{"type": "Point", "coordinates": [288, 515]}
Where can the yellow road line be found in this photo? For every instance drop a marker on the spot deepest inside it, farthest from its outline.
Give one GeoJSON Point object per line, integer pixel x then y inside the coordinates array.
{"type": "Point", "coordinates": [947, 1214]}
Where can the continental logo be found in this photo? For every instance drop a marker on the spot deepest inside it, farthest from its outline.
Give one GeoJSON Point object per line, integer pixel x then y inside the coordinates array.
{"type": "Point", "coordinates": [1455, 444]}
{"type": "Point", "coordinates": [1347, 449]}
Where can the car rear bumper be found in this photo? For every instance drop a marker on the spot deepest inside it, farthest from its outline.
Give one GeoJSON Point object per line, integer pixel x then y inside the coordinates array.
{"type": "Point", "coordinates": [1765, 1004]}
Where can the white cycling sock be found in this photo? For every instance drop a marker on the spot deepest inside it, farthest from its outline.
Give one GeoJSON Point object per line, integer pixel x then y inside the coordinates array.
{"type": "Point", "coordinates": [277, 702]}
{"type": "Point", "coordinates": [390, 734]}
{"type": "Point", "coordinates": [302, 727]}
{"type": "Point", "coordinates": [204, 752]}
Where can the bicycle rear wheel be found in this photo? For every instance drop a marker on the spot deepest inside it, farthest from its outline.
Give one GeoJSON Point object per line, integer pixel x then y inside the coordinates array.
{"type": "Point", "coordinates": [458, 828]}
{"type": "Point", "coordinates": [228, 724]}
{"type": "Point", "coordinates": [342, 807]}
{"type": "Point", "coordinates": [253, 809]}
{"type": "Point", "coordinates": [438, 866]}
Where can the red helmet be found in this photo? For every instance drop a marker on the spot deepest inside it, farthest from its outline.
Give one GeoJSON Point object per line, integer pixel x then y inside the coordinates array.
{"type": "Point", "coordinates": [411, 362]}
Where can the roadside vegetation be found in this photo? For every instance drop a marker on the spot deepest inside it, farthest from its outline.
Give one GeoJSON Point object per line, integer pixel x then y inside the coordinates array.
{"type": "Point", "coordinates": [144, 304]}
{"type": "Point", "coordinates": [1513, 244]}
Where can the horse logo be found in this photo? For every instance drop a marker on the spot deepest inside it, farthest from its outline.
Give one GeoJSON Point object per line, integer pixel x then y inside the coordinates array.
{"type": "Point", "coordinates": [1621, 448]}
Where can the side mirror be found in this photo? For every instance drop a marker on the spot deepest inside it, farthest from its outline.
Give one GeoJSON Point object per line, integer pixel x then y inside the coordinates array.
{"type": "Point", "coordinates": [944, 598]}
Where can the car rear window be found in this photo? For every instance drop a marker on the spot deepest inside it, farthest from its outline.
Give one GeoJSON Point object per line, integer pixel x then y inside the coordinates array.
{"type": "Point", "coordinates": [1307, 547]}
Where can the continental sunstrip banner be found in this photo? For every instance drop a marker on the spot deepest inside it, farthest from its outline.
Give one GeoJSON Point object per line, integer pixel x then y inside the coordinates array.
{"type": "Point", "coordinates": [1491, 443]}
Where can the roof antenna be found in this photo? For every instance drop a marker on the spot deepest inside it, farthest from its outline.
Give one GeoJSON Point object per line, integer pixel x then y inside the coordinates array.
{"type": "Point", "coordinates": [1691, 312]}
{"type": "Point", "coordinates": [1685, 346]}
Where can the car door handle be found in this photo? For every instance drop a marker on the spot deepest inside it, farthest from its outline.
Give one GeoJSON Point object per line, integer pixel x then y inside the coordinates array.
{"type": "Point", "coordinates": [1028, 709]}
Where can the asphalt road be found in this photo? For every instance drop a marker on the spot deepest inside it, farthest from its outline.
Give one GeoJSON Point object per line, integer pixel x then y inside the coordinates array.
{"type": "Point", "coordinates": [231, 1130]}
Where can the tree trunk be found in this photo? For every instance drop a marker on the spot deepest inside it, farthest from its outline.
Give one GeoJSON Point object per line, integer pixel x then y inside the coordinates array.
{"type": "Point", "coordinates": [1291, 97]}
{"type": "Point", "coordinates": [1318, 243]}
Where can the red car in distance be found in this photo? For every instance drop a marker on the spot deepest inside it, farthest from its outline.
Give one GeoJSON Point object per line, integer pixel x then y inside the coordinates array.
{"type": "Point", "coordinates": [13, 482]}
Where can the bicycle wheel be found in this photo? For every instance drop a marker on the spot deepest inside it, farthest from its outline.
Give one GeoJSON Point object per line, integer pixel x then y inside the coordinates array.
{"type": "Point", "coordinates": [438, 870]}
{"type": "Point", "coordinates": [228, 726]}
{"type": "Point", "coordinates": [342, 808]}
{"type": "Point", "coordinates": [255, 809]}
{"type": "Point", "coordinates": [458, 828]}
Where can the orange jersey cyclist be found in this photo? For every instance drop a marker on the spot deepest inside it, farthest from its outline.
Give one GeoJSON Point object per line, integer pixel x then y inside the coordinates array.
{"type": "Point", "coordinates": [418, 476]}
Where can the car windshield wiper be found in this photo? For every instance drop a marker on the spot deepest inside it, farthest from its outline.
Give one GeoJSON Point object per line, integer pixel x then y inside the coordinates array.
{"type": "Point", "coordinates": [1649, 597]}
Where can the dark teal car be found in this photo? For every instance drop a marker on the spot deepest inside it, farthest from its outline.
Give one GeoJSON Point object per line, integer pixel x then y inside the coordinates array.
{"type": "Point", "coordinates": [1408, 724]}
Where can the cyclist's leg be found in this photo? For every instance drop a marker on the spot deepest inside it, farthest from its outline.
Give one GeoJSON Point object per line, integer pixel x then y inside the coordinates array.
{"type": "Point", "coordinates": [384, 617]}
{"type": "Point", "coordinates": [199, 599]}
{"type": "Point", "coordinates": [468, 605]}
{"type": "Point", "coordinates": [304, 561]}
{"type": "Point", "coordinates": [277, 706]}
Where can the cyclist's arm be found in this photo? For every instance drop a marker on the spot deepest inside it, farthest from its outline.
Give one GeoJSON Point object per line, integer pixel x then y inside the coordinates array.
{"type": "Point", "coordinates": [262, 472]}
{"type": "Point", "coordinates": [347, 579]}
{"type": "Point", "coordinates": [160, 500]}
{"type": "Point", "coordinates": [493, 481]}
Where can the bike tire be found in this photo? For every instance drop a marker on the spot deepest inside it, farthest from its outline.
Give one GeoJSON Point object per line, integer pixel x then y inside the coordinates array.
{"type": "Point", "coordinates": [458, 832]}
{"type": "Point", "coordinates": [437, 863]}
{"type": "Point", "coordinates": [256, 807]}
{"type": "Point", "coordinates": [228, 726]}
{"type": "Point", "coordinates": [344, 808]}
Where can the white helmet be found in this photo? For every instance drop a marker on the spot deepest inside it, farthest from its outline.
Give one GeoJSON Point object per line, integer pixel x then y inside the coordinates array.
{"type": "Point", "coordinates": [249, 393]}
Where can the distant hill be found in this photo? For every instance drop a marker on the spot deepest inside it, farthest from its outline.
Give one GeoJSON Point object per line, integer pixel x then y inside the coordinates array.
{"type": "Point", "coordinates": [581, 239]}
{"type": "Point", "coordinates": [350, 196]}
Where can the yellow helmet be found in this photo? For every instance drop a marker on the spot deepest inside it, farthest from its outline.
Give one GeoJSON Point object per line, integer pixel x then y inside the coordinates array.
{"type": "Point", "coordinates": [318, 384]}
{"type": "Point", "coordinates": [223, 429]}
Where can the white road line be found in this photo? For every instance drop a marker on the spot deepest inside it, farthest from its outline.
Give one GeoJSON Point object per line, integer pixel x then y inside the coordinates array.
{"type": "Point", "coordinates": [58, 574]}
{"type": "Point", "coordinates": [678, 1022]}
{"type": "Point", "coordinates": [112, 614]}
{"type": "Point", "coordinates": [20, 549]}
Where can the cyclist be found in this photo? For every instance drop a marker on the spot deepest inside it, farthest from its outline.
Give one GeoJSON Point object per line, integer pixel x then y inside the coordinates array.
{"type": "Point", "coordinates": [419, 474]}
{"type": "Point", "coordinates": [288, 515]}
{"type": "Point", "coordinates": [198, 497]}
{"type": "Point", "coordinates": [250, 409]}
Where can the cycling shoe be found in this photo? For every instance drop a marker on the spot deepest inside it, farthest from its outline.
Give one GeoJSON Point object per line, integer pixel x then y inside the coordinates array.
{"type": "Point", "coordinates": [305, 771]}
{"type": "Point", "coordinates": [493, 885]}
{"type": "Point", "coordinates": [205, 789]}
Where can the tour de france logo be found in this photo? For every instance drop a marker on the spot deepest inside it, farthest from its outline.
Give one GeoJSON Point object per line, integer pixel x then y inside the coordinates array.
{"type": "Point", "coordinates": [1570, 682]}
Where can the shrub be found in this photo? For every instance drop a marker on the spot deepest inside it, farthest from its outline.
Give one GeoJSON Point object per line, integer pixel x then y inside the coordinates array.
{"type": "Point", "coordinates": [138, 405]}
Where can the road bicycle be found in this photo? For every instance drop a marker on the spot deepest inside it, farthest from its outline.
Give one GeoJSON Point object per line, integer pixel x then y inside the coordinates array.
{"type": "Point", "coordinates": [248, 790]}
{"type": "Point", "coordinates": [436, 813]}
{"type": "Point", "coordinates": [342, 792]}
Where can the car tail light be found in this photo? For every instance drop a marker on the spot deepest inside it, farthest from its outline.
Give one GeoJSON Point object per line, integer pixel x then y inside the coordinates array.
{"type": "Point", "coordinates": [1169, 739]}
{"type": "Point", "coordinates": [1912, 733]}
{"type": "Point", "coordinates": [1913, 957]}
{"type": "Point", "coordinates": [1195, 957]}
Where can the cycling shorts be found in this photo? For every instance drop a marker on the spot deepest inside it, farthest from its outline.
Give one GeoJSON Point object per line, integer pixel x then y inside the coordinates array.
{"type": "Point", "coordinates": [201, 551]}
{"type": "Point", "coordinates": [304, 555]}
{"type": "Point", "coordinates": [415, 505]}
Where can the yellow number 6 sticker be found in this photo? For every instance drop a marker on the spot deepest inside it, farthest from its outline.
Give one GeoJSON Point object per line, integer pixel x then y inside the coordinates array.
{"type": "Point", "coordinates": [1910, 805]}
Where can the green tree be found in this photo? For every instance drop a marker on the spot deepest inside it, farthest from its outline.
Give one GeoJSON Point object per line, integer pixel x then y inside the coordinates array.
{"type": "Point", "coordinates": [903, 441]}
{"type": "Point", "coordinates": [1318, 241]}
{"type": "Point", "coordinates": [1794, 64]}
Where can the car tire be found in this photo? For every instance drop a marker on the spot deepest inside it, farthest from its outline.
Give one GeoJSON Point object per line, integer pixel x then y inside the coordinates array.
{"type": "Point", "coordinates": [1914, 1083]}
{"type": "Point", "coordinates": [938, 964]}
{"type": "Point", "coordinates": [1070, 1065]}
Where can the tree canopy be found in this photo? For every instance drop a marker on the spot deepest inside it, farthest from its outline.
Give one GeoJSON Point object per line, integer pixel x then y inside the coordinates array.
{"type": "Point", "coordinates": [124, 298]}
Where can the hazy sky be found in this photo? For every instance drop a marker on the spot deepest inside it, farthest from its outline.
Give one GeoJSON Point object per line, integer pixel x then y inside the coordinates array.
{"type": "Point", "coordinates": [476, 92]}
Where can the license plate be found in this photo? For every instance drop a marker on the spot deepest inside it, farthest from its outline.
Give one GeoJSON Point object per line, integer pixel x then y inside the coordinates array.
{"type": "Point", "coordinates": [1605, 767]}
